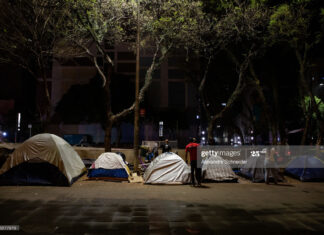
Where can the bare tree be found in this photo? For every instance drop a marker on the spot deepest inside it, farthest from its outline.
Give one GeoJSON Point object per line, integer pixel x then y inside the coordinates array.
{"type": "Point", "coordinates": [162, 24]}
{"type": "Point", "coordinates": [29, 33]}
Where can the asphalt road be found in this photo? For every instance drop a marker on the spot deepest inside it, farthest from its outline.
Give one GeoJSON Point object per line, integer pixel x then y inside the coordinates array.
{"type": "Point", "coordinates": [99, 207]}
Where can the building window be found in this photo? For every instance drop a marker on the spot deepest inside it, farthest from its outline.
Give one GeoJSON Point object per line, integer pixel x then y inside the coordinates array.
{"type": "Point", "coordinates": [126, 67]}
{"type": "Point", "coordinates": [176, 61]}
{"type": "Point", "coordinates": [175, 74]}
{"type": "Point", "coordinates": [126, 56]}
{"type": "Point", "coordinates": [176, 95]}
{"type": "Point", "coordinates": [146, 61]}
{"type": "Point", "coordinates": [155, 94]}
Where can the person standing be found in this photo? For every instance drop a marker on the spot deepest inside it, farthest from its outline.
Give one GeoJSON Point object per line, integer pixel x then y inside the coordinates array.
{"type": "Point", "coordinates": [155, 150]}
{"type": "Point", "coordinates": [271, 167]}
{"type": "Point", "coordinates": [166, 147]}
{"type": "Point", "coordinates": [191, 148]}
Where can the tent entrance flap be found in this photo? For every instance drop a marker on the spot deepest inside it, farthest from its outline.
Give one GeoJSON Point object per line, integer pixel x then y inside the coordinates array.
{"type": "Point", "coordinates": [34, 173]}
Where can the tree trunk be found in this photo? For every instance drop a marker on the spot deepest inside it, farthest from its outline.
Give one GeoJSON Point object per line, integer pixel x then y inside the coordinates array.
{"type": "Point", "coordinates": [210, 131]}
{"type": "Point", "coordinates": [236, 93]}
{"type": "Point", "coordinates": [319, 137]}
{"type": "Point", "coordinates": [305, 132]}
{"type": "Point", "coordinates": [45, 120]}
{"type": "Point", "coordinates": [110, 118]}
{"type": "Point", "coordinates": [137, 101]}
{"type": "Point", "coordinates": [109, 125]}
{"type": "Point", "coordinates": [313, 108]}
{"type": "Point", "coordinates": [265, 106]}
{"type": "Point", "coordinates": [47, 109]}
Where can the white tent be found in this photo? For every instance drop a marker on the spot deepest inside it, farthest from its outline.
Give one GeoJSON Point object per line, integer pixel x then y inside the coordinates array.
{"type": "Point", "coordinates": [217, 169]}
{"type": "Point", "coordinates": [167, 168]}
{"type": "Point", "coordinates": [49, 149]}
{"type": "Point", "coordinates": [110, 161]}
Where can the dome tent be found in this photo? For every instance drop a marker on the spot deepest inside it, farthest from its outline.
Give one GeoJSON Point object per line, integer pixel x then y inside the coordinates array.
{"type": "Point", "coordinates": [306, 168]}
{"type": "Point", "coordinates": [255, 170]}
{"type": "Point", "coordinates": [109, 166]}
{"type": "Point", "coordinates": [44, 159]}
{"type": "Point", "coordinates": [167, 168]}
{"type": "Point", "coordinates": [215, 168]}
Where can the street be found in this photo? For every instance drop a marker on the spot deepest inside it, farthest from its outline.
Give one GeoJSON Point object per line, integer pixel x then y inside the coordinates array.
{"type": "Point", "coordinates": [92, 207]}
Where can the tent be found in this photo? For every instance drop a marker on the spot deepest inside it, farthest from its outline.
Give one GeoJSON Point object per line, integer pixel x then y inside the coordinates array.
{"type": "Point", "coordinates": [254, 170]}
{"type": "Point", "coordinates": [167, 168]}
{"type": "Point", "coordinates": [306, 168]}
{"type": "Point", "coordinates": [109, 166]}
{"type": "Point", "coordinates": [5, 151]}
{"type": "Point", "coordinates": [215, 168]}
{"type": "Point", "coordinates": [43, 159]}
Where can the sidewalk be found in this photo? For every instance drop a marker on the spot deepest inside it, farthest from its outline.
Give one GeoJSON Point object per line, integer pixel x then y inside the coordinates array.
{"type": "Point", "coordinates": [134, 208]}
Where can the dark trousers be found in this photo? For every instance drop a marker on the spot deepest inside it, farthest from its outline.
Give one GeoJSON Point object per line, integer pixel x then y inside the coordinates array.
{"type": "Point", "coordinates": [195, 172]}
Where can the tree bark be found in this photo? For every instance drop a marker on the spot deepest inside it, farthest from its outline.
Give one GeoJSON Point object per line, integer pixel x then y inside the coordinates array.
{"type": "Point", "coordinates": [108, 128]}
{"type": "Point", "coordinates": [313, 108]}
{"type": "Point", "coordinates": [266, 108]}
{"type": "Point", "coordinates": [110, 118]}
{"type": "Point", "coordinates": [137, 102]}
{"type": "Point", "coordinates": [210, 131]}
{"type": "Point", "coordinates": [240, 86]}
{"type": "Point", "coordinates": [47, 109]}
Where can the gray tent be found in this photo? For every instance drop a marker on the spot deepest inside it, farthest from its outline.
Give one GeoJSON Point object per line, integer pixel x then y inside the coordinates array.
{"type": "Point", "coordinates": [215, 168]}
{"type": "Point", "coordinates": [254, 169]}
{"type": "Point", "coordinates": [43, 159]}
{"type": "Point", "coordinates": [167, 168]}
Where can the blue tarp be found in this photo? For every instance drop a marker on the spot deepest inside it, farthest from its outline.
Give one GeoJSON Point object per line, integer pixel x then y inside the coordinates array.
{"type": "Point", "coordinates": [306, 168]}
{"type": "Point", "coordinates": [114, 173]}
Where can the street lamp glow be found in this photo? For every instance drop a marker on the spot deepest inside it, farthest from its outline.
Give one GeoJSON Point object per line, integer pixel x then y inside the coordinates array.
{"type": "Point", "coordinates": [197, 117]}
{"type": "Point", "coordinates": [224, 104]}
{"type": "Point", "coordinates": [203, 132]}
{"type": "Point", "coordinates": [19, 119]}
{"type": "Point", "coordinates": [4, 134]}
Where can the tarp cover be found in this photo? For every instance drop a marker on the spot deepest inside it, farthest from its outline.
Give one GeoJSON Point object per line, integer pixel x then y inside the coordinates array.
{"type": "Point", "coordinates": [112, 173]}
{"type": "Point", "coordinates": [312, 170]}
{"type": "Point", "coordinates": [215, 168]}
{"type": "Point", "coordinates": [47, 148]}
{"type": "Point", "coordinates": [167, 168]}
